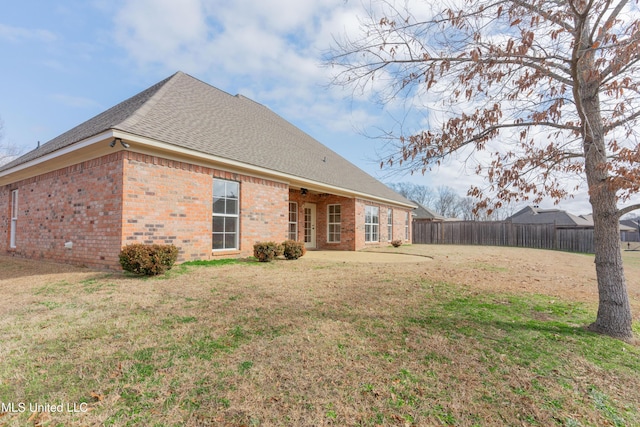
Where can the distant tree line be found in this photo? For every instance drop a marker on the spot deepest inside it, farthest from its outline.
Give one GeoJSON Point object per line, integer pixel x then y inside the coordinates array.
{"type": "Point", "coordinates": [445, 201]}
{"type": "Point", "coordinates": [8, 151]}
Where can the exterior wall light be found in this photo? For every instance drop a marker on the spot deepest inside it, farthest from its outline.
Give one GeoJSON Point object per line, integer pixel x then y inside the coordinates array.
{"type": "Point", "coordinates": [115, 140]}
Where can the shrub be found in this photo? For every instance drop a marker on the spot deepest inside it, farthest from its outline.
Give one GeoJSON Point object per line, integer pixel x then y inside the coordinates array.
{"type": "Point", "coordinates": [293, 249]}
{"type": "Point", "coordinates": [396, 243]}
{"type": "Point", "coordinates": [149, 260]}
{"type": "Point", "coordinates": [267, 251]}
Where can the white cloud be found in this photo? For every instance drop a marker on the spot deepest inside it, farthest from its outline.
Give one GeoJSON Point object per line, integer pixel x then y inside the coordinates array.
{"type": "Point", "coordinates": [273, 41]}
{"type": "Point", "coordinates": [19, 34]}
{"type": "Point", "coordinates": [158, 30]}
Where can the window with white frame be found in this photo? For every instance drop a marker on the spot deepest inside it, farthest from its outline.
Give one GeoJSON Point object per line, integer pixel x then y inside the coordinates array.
{"type": "Point", "coordinates": [293, 221]}
{"type": "Point", "coordinates": [226, 214]}
{"type": "Point", "coordinates": [334, 220]}
{"type": "Point", "coordinates": [371, 224]}
{"type": "Point", "coordinates": [389, 224]}
{"type": "Point", "coordinates": [406, 227]}
{"type": "Point", "coordinates": [14, 218]}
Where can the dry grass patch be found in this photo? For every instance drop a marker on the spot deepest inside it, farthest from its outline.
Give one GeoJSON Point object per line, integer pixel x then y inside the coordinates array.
{"type": "Point", "coordinates": [311, 342]}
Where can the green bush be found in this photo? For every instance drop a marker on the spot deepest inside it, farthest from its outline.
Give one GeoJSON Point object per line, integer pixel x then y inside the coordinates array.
{"type": "Point", "coordinates": [267, 251]}
{"type": "Point", "coordinates": [149, 260]}
{"type": "Point", "coordinates": [396, 243]}
{"type": "Point", "coordinates": [293, 249]}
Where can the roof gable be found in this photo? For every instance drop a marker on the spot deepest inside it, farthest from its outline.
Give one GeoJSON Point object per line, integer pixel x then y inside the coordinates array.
{"type": "Point", "coordinates": [188, 113]}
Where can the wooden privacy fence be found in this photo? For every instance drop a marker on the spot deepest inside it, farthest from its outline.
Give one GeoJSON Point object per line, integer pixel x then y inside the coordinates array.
{"type": "Point", "coordinates": [498, 233]}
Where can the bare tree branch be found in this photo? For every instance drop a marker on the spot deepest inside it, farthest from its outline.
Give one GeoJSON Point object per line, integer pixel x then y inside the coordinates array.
{"type": "Point", "coordinates": [628, 209]}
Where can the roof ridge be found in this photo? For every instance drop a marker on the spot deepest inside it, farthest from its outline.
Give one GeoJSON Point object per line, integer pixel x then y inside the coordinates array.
{"type": "Point", "coordinates": [139, 113]}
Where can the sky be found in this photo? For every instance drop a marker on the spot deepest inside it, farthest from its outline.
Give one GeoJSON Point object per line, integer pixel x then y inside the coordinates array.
{"type": "Point", "coordinates": [66, 61]}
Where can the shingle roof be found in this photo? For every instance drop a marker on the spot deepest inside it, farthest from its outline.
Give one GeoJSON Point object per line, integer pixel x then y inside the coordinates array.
{"type": "Point", "coordinates": [189, 113]}
{"type": "Point", "coordinates": [533, 215]}
{"type": "Point", "coordinates": [630, 224]}
{"type": "Point", "coordinates": [423, 212]}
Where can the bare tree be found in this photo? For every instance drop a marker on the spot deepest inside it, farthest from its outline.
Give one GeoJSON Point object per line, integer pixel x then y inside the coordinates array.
{"type": "Point", "coordinates": [534, 93]}
{"type": "Point", "coordinates": [418, 193]}
{"type": "Point", "coordinates": [467, 211]}
{"type": "Point", "coordinates": [447, 202]}
{"type": "Point", "coordinates": [8, 151]}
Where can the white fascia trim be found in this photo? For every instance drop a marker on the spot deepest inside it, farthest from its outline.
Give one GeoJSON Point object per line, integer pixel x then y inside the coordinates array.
{"type": "Point", "coordinates": [61, 152]}
{"type": "Point", "coordinates": [286, 178]}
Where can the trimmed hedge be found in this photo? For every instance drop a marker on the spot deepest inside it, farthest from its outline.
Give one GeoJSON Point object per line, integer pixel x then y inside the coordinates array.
{"type": "Point", "coordinates": [149, 260]}
{"type": "Point", "coordinates": [396, 243]}
{"type": "Point", "coordinates": [293, 249]}
{"type": "Point", "coordinates": [267, 251]}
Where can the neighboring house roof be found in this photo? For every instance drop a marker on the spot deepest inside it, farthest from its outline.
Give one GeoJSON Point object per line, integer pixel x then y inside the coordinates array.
{"type": "Point", "coordinates": [588, 217]}
{"type": "Point", "coordinates": [423, 212]}
{"type": "Point", "coordinates": [630, 225]}
{"type": "Point", "coordinates": [188, 113]}
{"type": "Point", "coordinates": [534, 215]}
{"type": "Point", "coordinates": [622, 226]}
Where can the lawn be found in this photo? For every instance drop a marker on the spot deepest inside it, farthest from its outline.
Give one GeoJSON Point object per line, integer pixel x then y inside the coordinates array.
{"type": "Point", "coordinates": [470, 337]}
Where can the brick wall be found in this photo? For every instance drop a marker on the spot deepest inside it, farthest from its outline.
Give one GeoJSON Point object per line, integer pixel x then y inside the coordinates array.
{"type": "Point", "coordinates": [322, 201]}
{"type": "Point", "coordinates": [79, 204]}
{"type": "Point", "coordinates": [398, 217]}
{"type": "Point", "coordinates": [170, 202]}
{"type": "Point", "coordinates": [352, 222]}
{"type": "Point", "coordinates": [167, 202]}
{"type": "Point", "coordinates": [264, 210]}
{"type": "Point", "coordinates": [161, 201]}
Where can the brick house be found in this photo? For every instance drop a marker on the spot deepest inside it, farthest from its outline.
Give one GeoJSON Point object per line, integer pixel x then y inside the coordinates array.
{"type": "Point", "coordinates": [185, 163]}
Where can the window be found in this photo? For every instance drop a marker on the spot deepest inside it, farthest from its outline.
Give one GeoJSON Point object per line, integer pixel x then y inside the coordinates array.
{"type": "Point", "coordinates": [371, 223]}
{"type": "Point", "coordinates": [390, 224]}
{"type": "Point", "coordinates": [293, 221]}
{"type": "Point", "coordinates": [334, 220]}
{"type": "Point", "coordinates": [226, 196]}
{"type": "Point", "coordinates": [406, 227]}
{"type": "Point", "coordinates": [14, 217]}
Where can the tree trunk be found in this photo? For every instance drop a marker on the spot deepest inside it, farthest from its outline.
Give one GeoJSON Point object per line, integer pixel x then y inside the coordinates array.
{"type": "Point", "coordinates": [614, 311]}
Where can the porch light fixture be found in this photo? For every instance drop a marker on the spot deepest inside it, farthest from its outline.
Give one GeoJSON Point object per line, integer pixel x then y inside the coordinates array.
{"type": "Point", "coordinates": [113, 143]}
{"type": "Point", "coordinates": [304, 191]}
